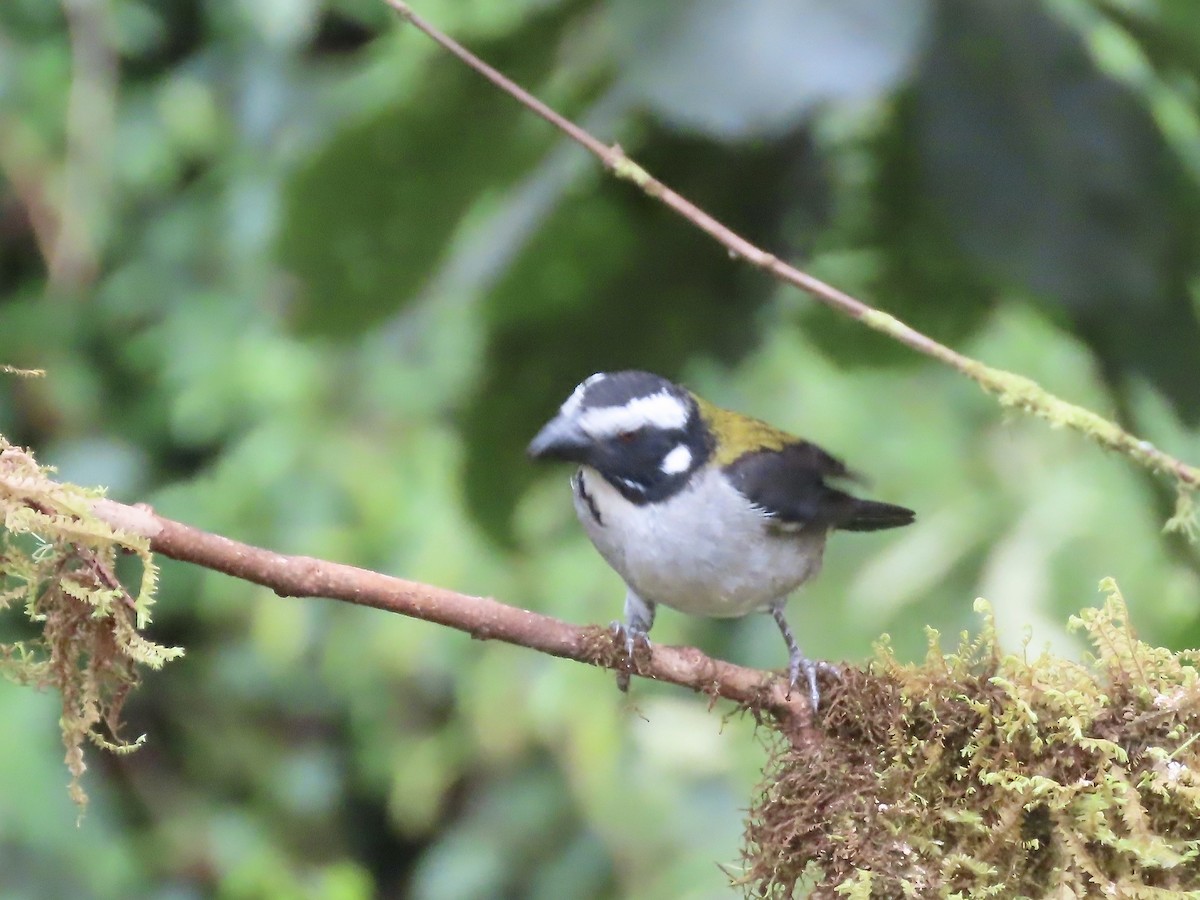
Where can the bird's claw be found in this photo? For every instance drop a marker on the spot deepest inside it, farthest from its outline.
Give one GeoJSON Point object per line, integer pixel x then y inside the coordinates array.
{"type": "Point", "coordinates": [630, 639]}
{"type": "Point", "coordinates": [810, 668]}
{"type": "Point", "coordinates": [633, 637]}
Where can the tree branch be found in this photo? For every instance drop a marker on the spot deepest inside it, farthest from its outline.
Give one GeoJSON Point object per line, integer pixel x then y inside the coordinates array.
{"type": "Point", "coordinates": [481, 617]}
{"type": "Point", "coordinates": [1012, 390]}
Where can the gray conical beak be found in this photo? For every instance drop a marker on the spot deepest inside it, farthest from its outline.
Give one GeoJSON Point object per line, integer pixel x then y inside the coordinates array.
{"type": "Point", "coordinates": [560, 438]}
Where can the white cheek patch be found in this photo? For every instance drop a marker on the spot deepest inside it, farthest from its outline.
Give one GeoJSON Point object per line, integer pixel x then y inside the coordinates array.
{"type": "Point", "coordinates": [660, 411]}
{"type": "Point", "coordinates": [678, 460]}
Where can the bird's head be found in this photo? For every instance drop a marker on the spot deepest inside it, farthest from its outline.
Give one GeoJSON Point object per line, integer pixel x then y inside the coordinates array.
{"type": "Point", "coordinates": [643, 433]}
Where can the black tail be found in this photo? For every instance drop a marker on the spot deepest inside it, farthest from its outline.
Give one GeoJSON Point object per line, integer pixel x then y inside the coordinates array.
{"type": "Point", "coordinates": [870, 515]}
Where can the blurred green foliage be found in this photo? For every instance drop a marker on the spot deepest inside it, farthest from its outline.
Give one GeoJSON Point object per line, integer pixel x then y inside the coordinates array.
{"type": "Point", "coordinates": [298, 278]}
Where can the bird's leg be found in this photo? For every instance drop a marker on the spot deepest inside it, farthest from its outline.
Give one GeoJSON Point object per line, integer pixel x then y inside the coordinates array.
{"type": "Point", "coordinates": [798, 661]}
{"type": "Point", "coordinates": [639, 617]}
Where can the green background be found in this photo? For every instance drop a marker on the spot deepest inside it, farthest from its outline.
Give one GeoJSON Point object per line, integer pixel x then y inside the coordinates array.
{"type": "Point", "coordinates": [298, 278]}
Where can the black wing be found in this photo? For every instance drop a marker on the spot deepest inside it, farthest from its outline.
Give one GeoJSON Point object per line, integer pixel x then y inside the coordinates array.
{"type": "Point", "coordinates": [789, 486]}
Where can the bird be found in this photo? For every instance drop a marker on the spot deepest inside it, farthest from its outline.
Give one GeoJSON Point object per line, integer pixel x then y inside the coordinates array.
{"type": "Point", "coordinates": [698, 508]}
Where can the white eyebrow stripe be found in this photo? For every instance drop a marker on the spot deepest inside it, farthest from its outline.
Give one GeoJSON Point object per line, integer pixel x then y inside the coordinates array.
{"type": "Point", "coordinates": [678, 460]}
{"type": "Point", "coordinates": [661, 410]}
{"type": "Point", "coordinates": [572, 404]}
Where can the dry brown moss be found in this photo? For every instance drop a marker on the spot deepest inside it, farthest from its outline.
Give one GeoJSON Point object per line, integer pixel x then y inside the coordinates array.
{"type": "Point", "coordinates": [978, 774]}
{"type": "Point", "coordinates": [59, 562]}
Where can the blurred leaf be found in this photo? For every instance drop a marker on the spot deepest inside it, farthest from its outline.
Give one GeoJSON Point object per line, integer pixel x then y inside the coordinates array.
{"type": "Point", "coordinates": [902, 263]}
{"type": "Point", "coordinates": [366, 219]}
{"type": "Point", "coordinates": [1167, 30]}
{"type": "Point", "coordinates": [1015, 164]}
{"type": "Point", "coordinates": [501, 842]}
{"type": "Point", "coordinates": [1055, 179]}
{"type": "Point", "coordinates": [1042, 167]}
{"type": "Point", "coordinates": [740, 68]}
{"type": "Point", "coordinates": [25, 19]}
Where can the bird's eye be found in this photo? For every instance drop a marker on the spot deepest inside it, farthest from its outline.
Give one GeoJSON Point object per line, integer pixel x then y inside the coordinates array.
{"type": "Point", "coordinates": [626, 437]}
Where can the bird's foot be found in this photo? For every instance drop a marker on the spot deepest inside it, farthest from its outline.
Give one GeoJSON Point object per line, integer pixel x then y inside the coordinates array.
{"type": "Point", "coordinates": [810, 667]}
{"type": "Point", "coordinates": [629, 638]}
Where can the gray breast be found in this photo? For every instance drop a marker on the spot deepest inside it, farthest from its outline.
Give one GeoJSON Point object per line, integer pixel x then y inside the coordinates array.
{"type": "Point", "coordinates": [705, 550]}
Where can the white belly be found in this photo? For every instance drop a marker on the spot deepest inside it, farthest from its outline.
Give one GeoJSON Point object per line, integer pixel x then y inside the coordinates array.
{"type": "Point", "coordinates": [705, 551]}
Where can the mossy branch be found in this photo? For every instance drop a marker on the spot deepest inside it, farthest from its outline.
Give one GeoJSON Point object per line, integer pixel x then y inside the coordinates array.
{"type": "Point", "coordinates": [1013, 390]}
{"type": "Point", "coordinates": [982, 774]}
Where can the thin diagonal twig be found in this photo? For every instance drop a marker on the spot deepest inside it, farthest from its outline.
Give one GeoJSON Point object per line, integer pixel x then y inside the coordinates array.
{"type": "Point", "coordinates": [1011, 389]}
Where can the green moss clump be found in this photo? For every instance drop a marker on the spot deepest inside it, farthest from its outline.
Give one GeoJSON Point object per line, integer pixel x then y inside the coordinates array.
{"type": "Point", "coordinates": [978, 774]}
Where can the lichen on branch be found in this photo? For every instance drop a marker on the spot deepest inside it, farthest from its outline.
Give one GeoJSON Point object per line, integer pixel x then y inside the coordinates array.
{"type": "Point", "coordinates": [983, 774]}
{"type": "Point", "coordinates": [59, 561]}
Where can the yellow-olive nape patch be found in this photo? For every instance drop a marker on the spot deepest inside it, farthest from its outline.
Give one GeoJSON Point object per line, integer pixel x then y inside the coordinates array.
{"type": "Point", "coordinates": [736, 433]}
